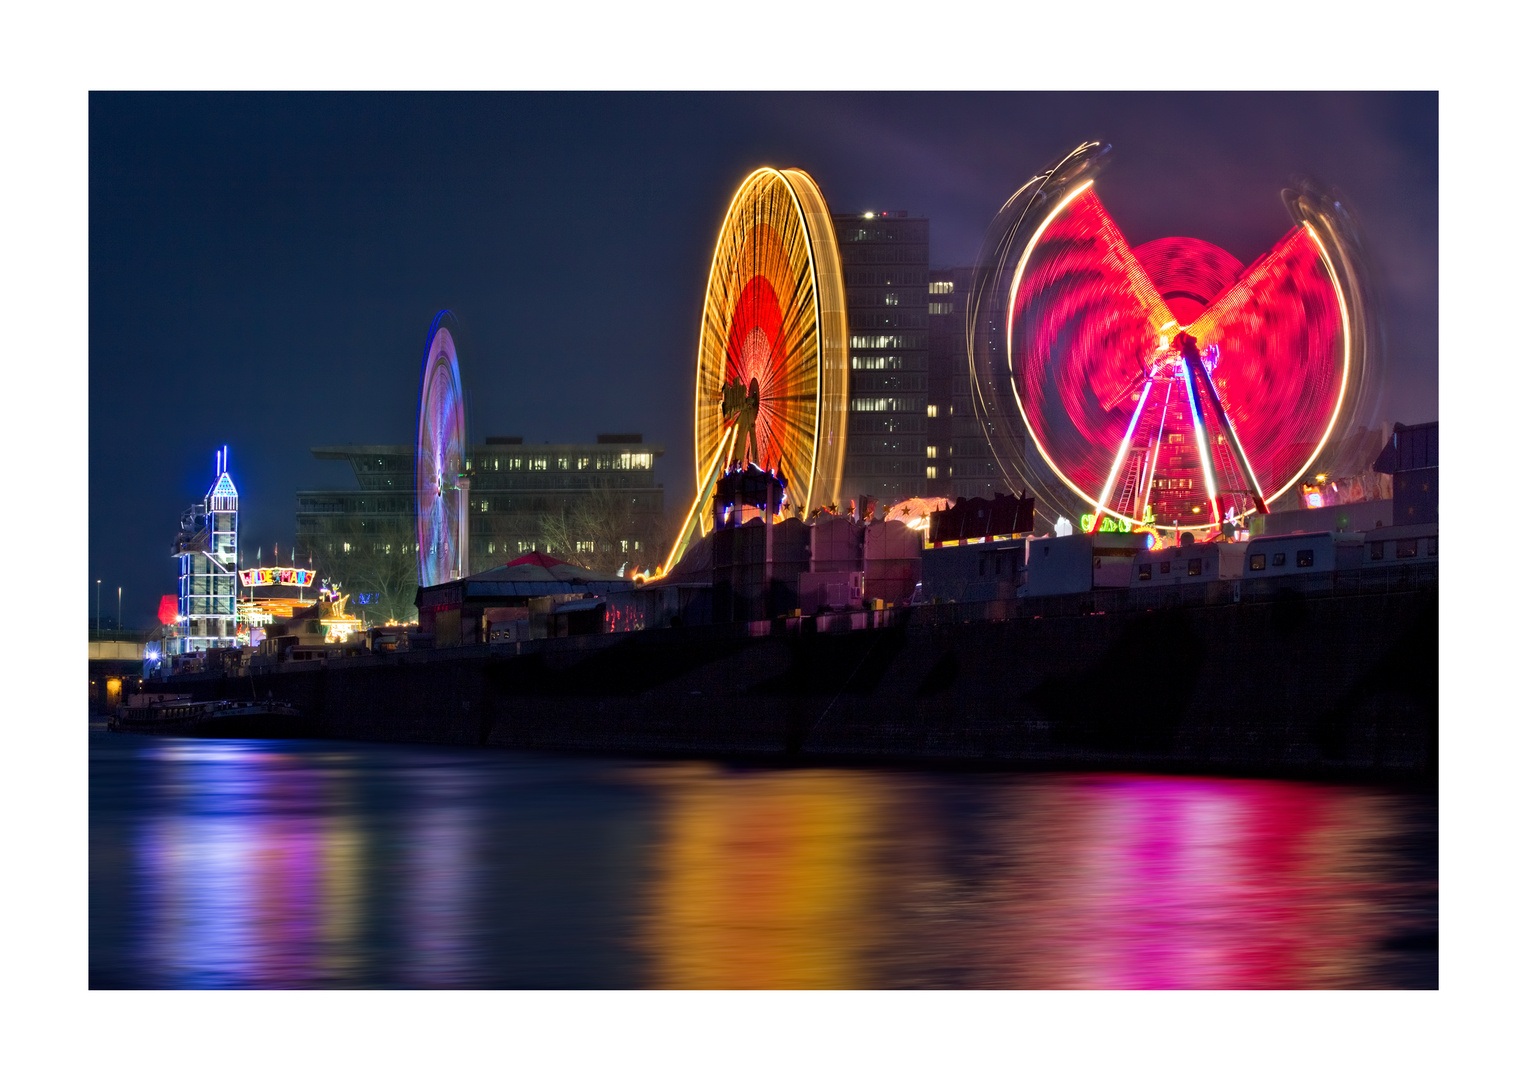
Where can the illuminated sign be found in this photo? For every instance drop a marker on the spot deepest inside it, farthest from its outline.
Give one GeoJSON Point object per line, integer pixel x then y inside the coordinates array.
{"type": "Point", "coordinates": [276, 575]}
{"type": "Point", "coordinates": [1109, 524]}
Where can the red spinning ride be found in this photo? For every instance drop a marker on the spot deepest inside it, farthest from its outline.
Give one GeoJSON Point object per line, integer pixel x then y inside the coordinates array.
{"type": "Point", "coordinates": [1165, 382]}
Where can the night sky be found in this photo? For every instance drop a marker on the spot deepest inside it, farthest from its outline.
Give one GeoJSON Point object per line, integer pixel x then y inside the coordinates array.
{"type": "Point", "coordinates": [263, 268]}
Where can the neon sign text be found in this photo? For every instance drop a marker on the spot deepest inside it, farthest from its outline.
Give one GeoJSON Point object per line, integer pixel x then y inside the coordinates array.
{"type": "Point", "coordinates": [276, 575]}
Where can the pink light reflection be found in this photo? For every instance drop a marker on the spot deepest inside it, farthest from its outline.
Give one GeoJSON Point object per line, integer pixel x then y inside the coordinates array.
{"type": "Point", "coordinates": [1163, 883]}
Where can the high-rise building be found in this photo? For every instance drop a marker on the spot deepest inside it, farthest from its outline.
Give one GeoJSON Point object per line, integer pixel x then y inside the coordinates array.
{"type": "Point", "coordinates": [207, 548]}
{"type": "Point", "coordinates": [960, 458]}
{"type": "Point", "coordinates": [885, 261]}
{"type": "Point", "coordinates": [595, 503]}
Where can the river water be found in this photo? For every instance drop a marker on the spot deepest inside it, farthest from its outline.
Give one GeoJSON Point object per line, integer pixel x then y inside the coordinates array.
{"type": "Point", "coordinates": [326, 864]}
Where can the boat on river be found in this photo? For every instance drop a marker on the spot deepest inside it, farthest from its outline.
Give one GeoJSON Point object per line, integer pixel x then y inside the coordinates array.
{"type": "Point", "coordinates": [213, 719]}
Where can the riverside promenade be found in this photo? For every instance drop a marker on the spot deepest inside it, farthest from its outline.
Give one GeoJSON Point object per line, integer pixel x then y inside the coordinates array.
{"type": "Point", "coordinates": [1335, 674]}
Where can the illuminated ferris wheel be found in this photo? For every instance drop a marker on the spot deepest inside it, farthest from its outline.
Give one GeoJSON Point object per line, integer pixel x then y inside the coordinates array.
{"type": "Point", "coordinates": [440, 482]}
{"type": "Point", "coordinates": [1165, 383]}
{"type": "Point", "coordinates": [771, 385]}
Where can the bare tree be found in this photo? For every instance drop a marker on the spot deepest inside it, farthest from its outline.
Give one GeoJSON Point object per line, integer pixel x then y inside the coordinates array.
{"type": "Point", "coordinates": [603, 531]}
{"type": "Point", "coordinates": [375, 559]}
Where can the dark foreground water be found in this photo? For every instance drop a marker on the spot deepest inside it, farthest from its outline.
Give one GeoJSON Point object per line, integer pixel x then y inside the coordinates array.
{"type": "Point", "coordinates": [297, 864]}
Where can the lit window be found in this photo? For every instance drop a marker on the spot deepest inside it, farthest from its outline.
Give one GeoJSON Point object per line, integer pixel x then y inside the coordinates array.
{"type": "Point", "coordinates": [941, 288]}
{"type": "Point", "coordinates": [1195, 567]}
{"type": "Point", "coordinates": [933, 410]}
{"type": "Point", "coordinates": [931, 472]}
{"type": "Point", "coordinates": [1145, 572]}
{"type": "Point", "coordinates": [933, 451]}
{"type": "Point", "coordinates": [1258, 562]}
{"type": "Point", "coordinates": [1376, 551]}
{"type": "Point", "coordinates": [585, 545]}
{"type": "Point", "coordinates": [891, 299]}
{"type": "Point", "coordinates": [1305, 557]}
{"type": "Point", "coordinates": [1406, 549]}
{"type": "Point", "coordinates": [940, 308]}
{"type": "Point", "coordinates": [483, 506]}
{"type": "Point", "coordinates": [562, 463]}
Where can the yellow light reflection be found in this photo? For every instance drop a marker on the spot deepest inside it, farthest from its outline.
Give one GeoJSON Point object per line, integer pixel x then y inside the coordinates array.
{"type": "Point", "coordinates": [764, 881]}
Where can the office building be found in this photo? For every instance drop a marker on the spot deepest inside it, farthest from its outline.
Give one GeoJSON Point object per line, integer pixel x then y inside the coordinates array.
{"type": "Point", "coordinates": [885, 261]}
{"type": "Point", "coordinates": [523, 498]}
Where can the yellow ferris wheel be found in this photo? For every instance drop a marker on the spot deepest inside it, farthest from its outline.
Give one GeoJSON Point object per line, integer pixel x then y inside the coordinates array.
{"type": "Point", "coordinates": [772, 374]}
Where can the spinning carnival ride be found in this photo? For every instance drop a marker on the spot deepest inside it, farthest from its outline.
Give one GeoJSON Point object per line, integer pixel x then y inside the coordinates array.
{"type": "Point", "coordinates": [771, 385]}
{"type": "Point", "coordinates": [440, 475]}
{"type": "Point", "coordinates": [1166, 383]}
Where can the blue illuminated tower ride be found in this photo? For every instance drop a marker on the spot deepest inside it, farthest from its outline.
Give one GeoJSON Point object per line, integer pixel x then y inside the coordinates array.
{"type": "Point", "coordinates": [207, 546]}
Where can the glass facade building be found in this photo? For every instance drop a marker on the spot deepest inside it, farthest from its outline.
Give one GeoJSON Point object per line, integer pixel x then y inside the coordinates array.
{"type": "Point", "coordinates": [885, 261]}
{"type": "Point", "coordinates": [515, 489]}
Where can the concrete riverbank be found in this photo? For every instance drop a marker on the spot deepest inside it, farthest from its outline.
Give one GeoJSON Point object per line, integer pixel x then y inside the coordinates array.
{"type": "Point", "coordinates": [1313, 682]}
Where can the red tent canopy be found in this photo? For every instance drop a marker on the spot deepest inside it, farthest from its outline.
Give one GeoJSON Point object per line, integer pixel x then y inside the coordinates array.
{"type": "Point", "coordinates": [537, 558]}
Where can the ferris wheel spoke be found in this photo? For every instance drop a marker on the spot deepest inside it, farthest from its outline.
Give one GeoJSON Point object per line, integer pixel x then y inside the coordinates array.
{"type": "Point", "coordinates": [1153, 450]}
{"type": "Point", "coordinates": [1119, 458]}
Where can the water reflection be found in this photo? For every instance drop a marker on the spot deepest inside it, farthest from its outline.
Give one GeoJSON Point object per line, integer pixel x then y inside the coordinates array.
{"type": "Point", "coordinates": [765, 880]}
{"type": "Point", "coordinates": [251, 872]}
{"type": "Point", "coordinates": [311, 864]}
{"type": "Point", "coordinates": [438, 883]}
{"type": "Point", "coordinates": [1162, 883]}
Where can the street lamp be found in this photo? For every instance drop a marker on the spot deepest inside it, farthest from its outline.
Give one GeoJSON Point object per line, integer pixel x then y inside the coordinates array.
{"type": "Point", "coordinates": [98, 605]}
{"type": "Point", "coordinates": [119, 609]}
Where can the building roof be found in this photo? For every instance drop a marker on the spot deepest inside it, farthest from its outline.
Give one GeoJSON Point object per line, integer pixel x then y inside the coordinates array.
{"type": "Point", "coordinates": [1410, 446]}
{"type": "Point", "coordinates": [536, 574]}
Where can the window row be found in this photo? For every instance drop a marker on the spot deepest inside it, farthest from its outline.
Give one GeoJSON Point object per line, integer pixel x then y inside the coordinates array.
{"type": "Point", "coordinates": [1261, 560]}
{"type": "Point", "coordinates": [878, 318]}
{"type": "Point", "coordinates": [879, 467]}
{"type": "Point", "coordinates": [886, 404]}
{"type": "Point", "coordinates": [1404, 549]}
{"type": "Point", "coordinates": [888, 341]}
{"type": "Point", "coordinates": [857, 255]}
{"type": "Point", "coordinates": [876, 423]}
{"type": "Point", "coordinates": [1195, 569]}
{"type": "Point", "coordinates": [884, 277]}
{"type": "Point", "coordinates": [880, 363]}
{"type": "Point", "coordinates": [901, 233]}
{"type": "Point", "coordinates": [870, 382]}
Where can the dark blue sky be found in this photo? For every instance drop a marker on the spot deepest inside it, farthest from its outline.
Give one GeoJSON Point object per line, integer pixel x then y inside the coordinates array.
{"type": "Point", "coordinates": [264, 267]}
